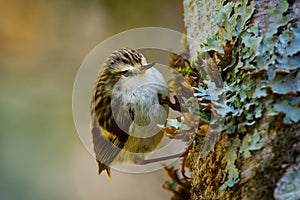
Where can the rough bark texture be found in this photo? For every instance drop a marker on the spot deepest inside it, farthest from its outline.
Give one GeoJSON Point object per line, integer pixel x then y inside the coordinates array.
{"type": "Point", "coordinates": [199, 23]}
{"type": "Point", "coordinates": [256, 47]}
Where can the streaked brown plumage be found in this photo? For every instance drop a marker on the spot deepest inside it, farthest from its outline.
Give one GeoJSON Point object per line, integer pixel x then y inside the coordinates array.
{"type": "Point", "coordinates": [122, 106]}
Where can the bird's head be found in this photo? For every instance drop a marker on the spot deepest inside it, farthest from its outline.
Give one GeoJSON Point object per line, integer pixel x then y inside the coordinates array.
{"type": "Point", "coordinates": [126, 63]}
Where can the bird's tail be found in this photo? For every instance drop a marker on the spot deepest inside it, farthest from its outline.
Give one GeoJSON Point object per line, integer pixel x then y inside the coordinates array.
{"type": "Point", "coordinates": [102, 167]}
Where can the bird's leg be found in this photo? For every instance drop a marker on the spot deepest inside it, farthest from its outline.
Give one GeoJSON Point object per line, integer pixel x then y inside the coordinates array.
{"type": "Point", "coordinates": [154, 160]}
{"type": "Point", "coordinates": [141, 161]}
{"type": "Point", "coordinates": [166, 100]}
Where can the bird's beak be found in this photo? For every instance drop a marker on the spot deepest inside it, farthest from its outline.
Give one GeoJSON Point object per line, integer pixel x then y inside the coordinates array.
{"type": "Point", "coordinates": [144, 68]}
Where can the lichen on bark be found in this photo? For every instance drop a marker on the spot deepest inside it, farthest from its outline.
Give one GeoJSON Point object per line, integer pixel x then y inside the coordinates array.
{"type": "Point", "coordinates": [255, 46]}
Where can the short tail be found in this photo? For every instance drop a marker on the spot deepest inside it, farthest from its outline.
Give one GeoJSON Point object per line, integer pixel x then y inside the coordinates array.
{"type": "Point", "coordinates": [102, 167]}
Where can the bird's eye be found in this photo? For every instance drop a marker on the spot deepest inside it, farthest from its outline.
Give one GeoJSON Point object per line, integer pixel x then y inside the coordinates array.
{"type": "Point", "coordinates": [125, 73]}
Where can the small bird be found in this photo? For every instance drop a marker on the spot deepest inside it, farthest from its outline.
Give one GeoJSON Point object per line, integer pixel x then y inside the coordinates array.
{"type": "Point", "coordinates": [126, 108]}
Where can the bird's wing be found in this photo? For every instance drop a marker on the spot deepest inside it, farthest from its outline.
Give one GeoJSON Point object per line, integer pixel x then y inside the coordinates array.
{"type": "Point", "coordinates": [106, 150]}
{"type": "Point", "coordinates": [110, 132]}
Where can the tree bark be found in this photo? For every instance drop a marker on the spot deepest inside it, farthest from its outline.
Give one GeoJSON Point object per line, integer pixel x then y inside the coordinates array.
{"type": "Point", "coordinates": [255, 46]}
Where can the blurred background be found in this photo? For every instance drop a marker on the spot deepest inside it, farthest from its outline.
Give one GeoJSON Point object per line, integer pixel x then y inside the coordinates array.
{"type": "Point", "coordinates": [42, 44]}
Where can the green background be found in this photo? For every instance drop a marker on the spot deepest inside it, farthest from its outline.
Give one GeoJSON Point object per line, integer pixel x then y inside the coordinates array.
{"type": "Point", "coordinates": [42, 44]}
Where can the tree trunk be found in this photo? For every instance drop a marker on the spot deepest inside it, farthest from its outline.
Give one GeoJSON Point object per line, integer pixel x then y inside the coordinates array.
{"type": "Point", "coordinates": [255, 46]}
